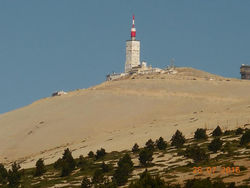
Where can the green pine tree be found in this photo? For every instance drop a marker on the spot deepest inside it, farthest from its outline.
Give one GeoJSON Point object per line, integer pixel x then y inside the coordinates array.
{"type": "Point", "coordinates": [145, 156]}
{"type": "Point", "coordinates": [40, 168]}
{"type": "Point", "coordinates": [14, 175]}
{"type": "Point", "coordinates": [178, 139]}
{"type": "Point", "coordinates": [161, 144]}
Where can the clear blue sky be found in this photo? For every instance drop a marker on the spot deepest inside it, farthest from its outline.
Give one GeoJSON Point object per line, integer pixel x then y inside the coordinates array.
{"type": "Point", "coordinates": [51, 45]}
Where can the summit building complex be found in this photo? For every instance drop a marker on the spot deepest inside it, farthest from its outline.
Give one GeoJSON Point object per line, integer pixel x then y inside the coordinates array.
{"type": "Point", "coordinates": [245, 72]}
{"type": "Point", "coordinates": [133, 65]}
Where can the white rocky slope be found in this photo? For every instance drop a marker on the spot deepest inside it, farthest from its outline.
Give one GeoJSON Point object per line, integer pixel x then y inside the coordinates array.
{"type": "Point", "coordinates": [114, 115]}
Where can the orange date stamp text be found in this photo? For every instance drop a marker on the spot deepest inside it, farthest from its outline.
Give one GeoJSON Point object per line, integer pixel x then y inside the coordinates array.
{"type": "Point", "coordinates": [216, 169]}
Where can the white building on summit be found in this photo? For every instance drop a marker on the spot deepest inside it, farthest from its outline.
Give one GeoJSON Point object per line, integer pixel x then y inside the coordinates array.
{"type": "Point", "coordinates": [132, 50]}
{"type": "Point", "coordinates": [132, 63]}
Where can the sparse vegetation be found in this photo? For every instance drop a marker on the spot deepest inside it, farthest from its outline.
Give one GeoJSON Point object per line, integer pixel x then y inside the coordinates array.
{"type": "Point", "coordinates": [245, 139]}
{"type": "Point", "coordinates": [196, 153]}
{"type": "Point", "coordinates": [83, 163]}
{"type": "Point", "coordinates": [86, 183]}
{"type": "Point", "coordinates": [125, 167]}
{"type": "Point", "coordinates": [3, 174]}
{"type": "Point", "coordinates": [98, 177]}
{"type": "Point", "coordinates": [217, 131]}
{"type": "Point", "coordinates": [228, 148]}
{"type": "Point", "coordinates": [105, 167]}
{"type": "Point", "coordinates": [14, 175]}
{"type": "Point", "coordinates": [40, 168]}
{"type": "Point", "coordinates": [200, 134]}
{"type": "Point", "coordinates": [100, 153]}
{"type": "Point", "coordinates": [150, 144]}
{"type": "Point", "coordinates": [92, 172]}
{"type": "Point", "coordinates": [58, 164]}
{"type": "Point", "coordinates": [215, 145]}
{"type": "Point", "coordinates": [229, 132]}
{"type": "Point", "coordinates": [146, 180]}
{"type": "Point", "coordinates": [91, 154]}
{"type": "Point", "coordinates": [178, 139]}
{"type": "Point", "coordinates": [204, 183]}
{"type": "Point", "coordinates": [239, 131]}
{"type": "Point", "coordinates": [161, 144]}
{"type": "Point", "coordinates": [135, 148]}
{"type": "Point", "coordinates": [66, 164]}
{"type": "Point", "coordinates": [145, 156]}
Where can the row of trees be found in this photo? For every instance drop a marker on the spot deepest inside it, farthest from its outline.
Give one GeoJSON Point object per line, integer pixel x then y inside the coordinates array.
{"type": "Point", "coordinates": [192, 151]}
{"type": "Point", "coordinates": [146, 180]}
{"type": "Point", "coordinates": [177, 140]}
{"type": "Point", "coordinates": [125, 165]}
{"type": "Point", "coordinates": [217, 132]}
{"type": "Point", "coordinates": [120, 176]}
{"type": "Point", "coordinates": [67, 163]}
{"type": "Point", "coordinates": [12, 176]}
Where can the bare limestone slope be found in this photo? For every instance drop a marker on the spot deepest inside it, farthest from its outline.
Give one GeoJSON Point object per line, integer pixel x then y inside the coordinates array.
{"type": "Point", "coordinates": [114, 115]}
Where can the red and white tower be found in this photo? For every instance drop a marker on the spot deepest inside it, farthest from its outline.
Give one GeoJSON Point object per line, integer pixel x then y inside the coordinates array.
{"type": "Point", "coordinates": [132, 50]}
{"type": "Point", "coordinates": [133, 30]}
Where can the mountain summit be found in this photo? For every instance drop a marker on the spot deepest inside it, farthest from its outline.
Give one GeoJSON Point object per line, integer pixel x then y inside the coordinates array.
{"type": "Point", "coordinates": [116, 114]}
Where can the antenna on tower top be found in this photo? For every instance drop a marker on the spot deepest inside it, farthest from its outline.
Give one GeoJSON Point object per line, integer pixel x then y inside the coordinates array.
{"type": "Point", "coordinates": [133, 21]}
{"type": "Point", "coordinates": [133, 30]}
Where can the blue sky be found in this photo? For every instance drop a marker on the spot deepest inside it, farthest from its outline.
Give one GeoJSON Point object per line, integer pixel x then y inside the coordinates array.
{"type": "Point", "coordinates": [51, 45]}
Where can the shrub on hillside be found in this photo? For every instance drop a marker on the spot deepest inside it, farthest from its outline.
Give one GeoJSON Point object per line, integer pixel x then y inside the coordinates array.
{"type": "Point", "coordinates": [69, 163]}
{"type": "Point", "coordinates": [66, 170]}
{"type": "Point", "coordinates": [200, 134]}
{"type": "Point", "coordinates": [215, 145]}
{"type": "Point", "coordinates": [98, 177]}
{"type": "Point", "coordinates": [146, 180]}
{"type": "Point", "coordinates": [125, 167]}
{"type": "Point", "coordinates": [245, 139]}
{"type": "Point", "coordinates": [86, 183]}
{"type": "Point", "coordinates": [161, 144]}
{"type": "Point", "coordinates": [40, 168]}
{"type": "Point", "coordinates": [217, 131]}
{"type": "Point", "coordinates": [58, 164]}
{"type": "Point", "coordinates": [135, 148]}
{"type": "Point", "coordinates": [107, 184]}
{"type": "Point", "coordinates": [14, 175]}
{"type": "Point", "coordinates": [126, 159]}
{"type": "Point", "coordinates": [196, 153]}
{"type": "Point", "coordinates": [3, 174]}
{"type": "Point", "coordinates": [105, 167]}
{"type": "Point", "coordinates": [121, 175]}
{"type": "Point", "coordinates": [204, 183]}
{"type": "Point", "coordinates": [228, 132]}
{"type": "Point", "coordinates": [82, 163]}
{"type": "Point", "coordinates": [150, 144]}
{"type": "Point", "coordinates": [227, 148]}
{"type": "Point", "coordinates": [145, 156]}
{"type": "Point", "coordinates": [178, 139]}
{"type": "Point", "coordinates": [100, 153]}
{"type": "Point", "coordinates": [91, 154]}
{"type": "Point", "coordinates": [239, 131]}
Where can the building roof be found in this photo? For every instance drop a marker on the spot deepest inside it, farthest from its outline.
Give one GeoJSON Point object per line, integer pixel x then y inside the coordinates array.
{"type": "Point", "coordinates": [243, 65]}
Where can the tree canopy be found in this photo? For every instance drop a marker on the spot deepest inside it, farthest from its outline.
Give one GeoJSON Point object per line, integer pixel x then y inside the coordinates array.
{"type": "Point", "coordinates": [178, 139]}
